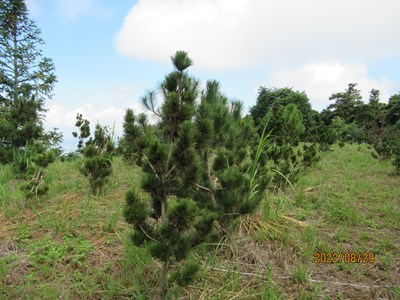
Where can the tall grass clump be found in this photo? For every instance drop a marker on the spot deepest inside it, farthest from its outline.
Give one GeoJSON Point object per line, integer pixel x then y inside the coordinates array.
{"type": "Point", "coordinates": [28, 164]}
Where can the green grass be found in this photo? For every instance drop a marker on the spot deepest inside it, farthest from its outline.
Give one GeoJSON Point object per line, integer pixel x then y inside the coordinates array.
{"type": "Point", "coordinates": [71, 245]}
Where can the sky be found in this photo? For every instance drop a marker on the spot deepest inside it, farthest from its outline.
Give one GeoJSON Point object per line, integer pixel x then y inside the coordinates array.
{"type": "Point", "coordinates": [108, 53]}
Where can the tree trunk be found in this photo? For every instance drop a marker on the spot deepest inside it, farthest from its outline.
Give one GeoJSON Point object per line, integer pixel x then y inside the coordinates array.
{"type": "Point", "coordinates": [212, 184]}
{"type": "Point", "coordinates": [164, 278]}
{"type": "Point", "coordinates": [15, 83]}
{"type": "Point", "coordinates": [162, 210]}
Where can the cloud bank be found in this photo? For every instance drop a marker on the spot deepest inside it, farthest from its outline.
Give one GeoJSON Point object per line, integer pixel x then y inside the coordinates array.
{"type": "Point", "coordinates": [96, 110]}
{"type": "Point", "coordinates": [321, 79]}
{"type": "Point", "coordinates": [232, 34]}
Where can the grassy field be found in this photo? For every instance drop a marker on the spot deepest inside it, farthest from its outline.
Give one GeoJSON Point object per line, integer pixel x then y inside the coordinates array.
{"type": "Point", "coordinates": [69, 245]}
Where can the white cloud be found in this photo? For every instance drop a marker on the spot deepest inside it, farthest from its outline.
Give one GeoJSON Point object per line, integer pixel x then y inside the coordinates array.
{"type": "Point", "coordinates": [321, 79]}
{"type": "Point", "coordinates": [59, 116]}
{"type": "Point", "coordinates": [154, 30]}
{"type": "Point", "coordinates": [227, 34]}
{"type": "Point", "coordinates": [106, 108]}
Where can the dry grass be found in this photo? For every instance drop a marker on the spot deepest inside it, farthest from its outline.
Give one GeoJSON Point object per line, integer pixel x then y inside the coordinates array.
{"type": "Point", "coordinates": [335, 207]}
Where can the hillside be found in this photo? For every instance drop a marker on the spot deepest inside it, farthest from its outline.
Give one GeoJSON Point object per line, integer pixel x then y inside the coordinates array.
{"type": "Point", "coordinates": [70, 245]}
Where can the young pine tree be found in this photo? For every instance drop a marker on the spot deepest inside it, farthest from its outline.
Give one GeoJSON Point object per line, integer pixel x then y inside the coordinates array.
{"type": "Point", "coordinates": [97, 153]}
{"type": "Point", "coordinates": [200, 165]}
{"type": "Point", "coordinates": [226, 142]}
{"type": "Point", "coordinates": [171, 223]}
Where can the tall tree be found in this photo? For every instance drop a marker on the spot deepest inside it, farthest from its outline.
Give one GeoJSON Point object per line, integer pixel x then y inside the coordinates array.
{"type": "Point", "coordinates": [285, 123]}
{"type": "Point", "coordinates": [372, 116]}
{"type": "Point", "coordinates": [268, 98]}
{"type": "Point", "coordinates": [27, 78]}
{"type": "Point", "coordinates": [393, 109]}
{"type": "Point", "coordinates": [374, 96]}
{"type": "Point", "coordinates": [347, 104]}
{"type": "Point", "coordinates": [24, 70]}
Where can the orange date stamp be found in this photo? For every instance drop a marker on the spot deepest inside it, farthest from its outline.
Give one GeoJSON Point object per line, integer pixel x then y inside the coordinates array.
{"type": "Point", "coordinates": [346, 257]}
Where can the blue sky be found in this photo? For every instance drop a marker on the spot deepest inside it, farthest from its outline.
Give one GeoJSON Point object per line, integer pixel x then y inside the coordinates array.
{"type": "Point", "coordinates": [108, 53]}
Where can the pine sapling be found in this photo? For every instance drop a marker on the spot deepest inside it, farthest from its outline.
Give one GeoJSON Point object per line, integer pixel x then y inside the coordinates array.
{"type": "Point", "coordinates": [97, 153]}
{"type": "Point", "coordinates": [165, 218]}
{"type": "Point", "coordinates": [232, 178]}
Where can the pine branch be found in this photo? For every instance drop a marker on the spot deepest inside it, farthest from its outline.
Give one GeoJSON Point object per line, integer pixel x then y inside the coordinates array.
{"type": "Point", "coordinates": [151, 166]}
{"type": "Point", "coordinates": [148, 236]}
